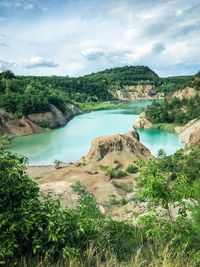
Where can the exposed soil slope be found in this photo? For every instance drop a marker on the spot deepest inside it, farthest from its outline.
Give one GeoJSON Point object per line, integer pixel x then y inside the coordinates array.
{"type": "Point", "coordinates": [124, 148]}
{"type": "Point", "coordinates": [187, 93]}
{"type": "Point", "coordinates": [10, 125]}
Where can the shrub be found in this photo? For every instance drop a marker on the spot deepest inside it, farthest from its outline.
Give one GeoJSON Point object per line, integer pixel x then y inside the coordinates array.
{"type": "Point", "coordinates": [113, 173]}
{"type": "Point", "coordinates": [132, 169]}
{"type": "Point", "coordinates": [57, 163]}
{"type": "Point", "coordinates": [36, 226]}
{"type": "Point", "coordinates": [43, 123]}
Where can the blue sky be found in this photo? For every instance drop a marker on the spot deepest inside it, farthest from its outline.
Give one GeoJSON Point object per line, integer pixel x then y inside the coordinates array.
{"type": "Point", "coordinates": [51, 37]}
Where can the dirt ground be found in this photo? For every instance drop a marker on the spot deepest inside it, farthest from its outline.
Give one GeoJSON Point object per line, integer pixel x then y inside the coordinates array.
{"type": "Point", "coordinates": [113, 195]}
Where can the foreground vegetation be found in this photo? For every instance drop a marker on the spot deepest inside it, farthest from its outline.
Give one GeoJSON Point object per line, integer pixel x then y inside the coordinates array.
{"type": "Point", "coordinates": [35, 230]}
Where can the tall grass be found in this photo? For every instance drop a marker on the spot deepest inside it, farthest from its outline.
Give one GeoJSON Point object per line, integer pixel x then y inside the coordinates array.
{"type": "Point", "coordinates": [143, 257]}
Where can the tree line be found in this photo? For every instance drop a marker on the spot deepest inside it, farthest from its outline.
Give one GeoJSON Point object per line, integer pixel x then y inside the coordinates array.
{"type": "Point", "coordinates": [178, 111]}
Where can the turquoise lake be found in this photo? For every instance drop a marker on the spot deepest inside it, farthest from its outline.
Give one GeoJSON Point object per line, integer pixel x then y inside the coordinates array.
{"type": "Point", "coordinates": [73, 141]}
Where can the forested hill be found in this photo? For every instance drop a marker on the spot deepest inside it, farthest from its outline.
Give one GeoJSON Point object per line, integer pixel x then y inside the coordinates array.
{"type": "Point", "coordinates": [32, 94]}
{"type": "Point", "coordinates": [128, 75]}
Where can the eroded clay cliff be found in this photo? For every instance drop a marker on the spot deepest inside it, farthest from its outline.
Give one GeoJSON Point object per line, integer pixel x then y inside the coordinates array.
{"type": "Point", "coordinates": [190, 133]}
{"type": "Point", "coordinates": [134, 92]}
{"type": "Point", "coordinates": [125, 148]}
{"type": "Point", "coordinates": [187, 93]}
{"type": "Point", "coordinates": [11, 125]}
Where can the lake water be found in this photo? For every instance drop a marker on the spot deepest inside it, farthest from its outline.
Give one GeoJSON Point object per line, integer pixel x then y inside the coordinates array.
{"type": "Point", "coordinates": [72, 141]}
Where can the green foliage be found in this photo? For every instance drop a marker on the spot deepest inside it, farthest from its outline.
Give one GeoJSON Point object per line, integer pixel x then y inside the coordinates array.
{"type": "Point", "coordinates": [7, 75]}
{"type": "Point", "coordinates": [180, 163]}
{"type": "Point", "coordinates": [43, 123]}
{"type": "Point", "coordinates": [57, 164]}
{"type": "Point", "coordinates": [168, 183]}
{"type": "Point", "coordinates": [161, 153]}
{"type": "Point", "coordinates": [169, 127]}
{"type": "Point", "coordinates": [4, 141]}
{"type": "Point", "coordinates": [174, 111]}
{"type": "Point", "coordinates": [113, 173]}
{"type": "Point", "coordinates": [132, 169]}
{"type": "Point", "coordinates": [196, 82]}
{"type": "Point", "coordinates": [126, 187]}
{"type": "Point", "coordinates": [35, 225]}
{"type": "Point", "coordinates": [57, 101]}
{"type": "Point", "coordinates": [128, 75]}
{"type": "Point", "coordinates": [87, 203]}
{"type": "Point", "coordinates": [161, 188]}
{"type": "Point", "coordinates": [172, 84]}
{"type": "Point", "coordinates": [25, 95]}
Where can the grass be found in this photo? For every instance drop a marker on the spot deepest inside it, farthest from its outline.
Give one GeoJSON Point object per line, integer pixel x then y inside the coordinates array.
{"type": "Point", "coordinates": [126, 187]}
{"type": "Point", "coordinates": [169, 127]}
{"type": "Point", "coordinates": [99, 106]}
{"type": "Point", "coordinates": [143, 257]}
{"type": "Point", "coordinates": [132, 169]}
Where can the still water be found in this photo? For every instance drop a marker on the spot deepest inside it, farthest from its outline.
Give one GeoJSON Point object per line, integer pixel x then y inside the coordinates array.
{"type": "Point", "coordinates": [72, 141]}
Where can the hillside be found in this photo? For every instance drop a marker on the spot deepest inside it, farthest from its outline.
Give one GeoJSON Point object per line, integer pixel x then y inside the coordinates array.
{"type": "Point", "coordinates": [31, 94]}
{"type": "Point", "coordinates": [28, 100]}
{"type": "Point", "coordinates": [175, 83]}
{"type": "Point", "coordinates": [89, 88]}
{"type": "Point", "coordinates": [128, 75]}
{"type": "Point", "coordinates": [179, 107]}
{"type": "Point", "coordinates": [32, 123]}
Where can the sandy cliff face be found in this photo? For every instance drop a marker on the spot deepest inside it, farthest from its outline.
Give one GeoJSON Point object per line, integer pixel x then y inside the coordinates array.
{"type": "Point", "coordinates": [55, 117]}
{"type": "Point", "coordinates": [125, 148]}
{"type": "Point", "coordinates": [142, 122]}
{"type": "Point", "coordinates": [187, 93]}
{"type": "Point", "coordinates": [134, 92]}
{"type": "Point", "coordinates": [35, 123]}
{"type": "Point", "coordinates": [190, 133]}
{"type": "Point", "coordinates": [12, 126]}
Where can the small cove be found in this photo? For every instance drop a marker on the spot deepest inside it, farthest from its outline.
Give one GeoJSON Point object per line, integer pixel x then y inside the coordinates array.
{"type": "Point", "coordinates": [73, 141]}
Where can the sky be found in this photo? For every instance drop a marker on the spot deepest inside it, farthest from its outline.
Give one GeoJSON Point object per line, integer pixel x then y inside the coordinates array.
{"type": "Point", "coordinates": [77, 37]}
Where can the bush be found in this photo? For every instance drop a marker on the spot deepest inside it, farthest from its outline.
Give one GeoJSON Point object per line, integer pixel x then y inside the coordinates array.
{"type": "Point", "coordinates": [57, 163]}
{"type": "Point", "coordinates": [132, 169]}
{"type": "Point", "coordinates": [36, 226]}
{"type": "Point", "coordinates": [43, 123]}
{"type": "Point", "coordinates": [113, 173]}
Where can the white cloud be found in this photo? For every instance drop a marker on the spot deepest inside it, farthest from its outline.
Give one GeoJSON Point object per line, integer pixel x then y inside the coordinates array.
{"type": "Point", "coordinates": [22, 4]}
{"type": "Point", "coordinates": [93, 53]}
{"type": "Point", "coordinates": [81, 38]}
{"type": "Point", "coordinates": [40, 62]}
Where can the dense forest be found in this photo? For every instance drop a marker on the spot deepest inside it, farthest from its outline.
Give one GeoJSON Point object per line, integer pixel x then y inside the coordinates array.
{"type": "Point", "coordinates": [172, 84]}
{"type": "Point", "coordinates": [178, 111]}
{"type": "Point", "coordinates": [24, 95]}
{"type": "Point", "coordinates": [35, 230]}
{"type": "Point", "coordinates": [129, 75]}
{"type": "Point", "coordinates": [30, 94]}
